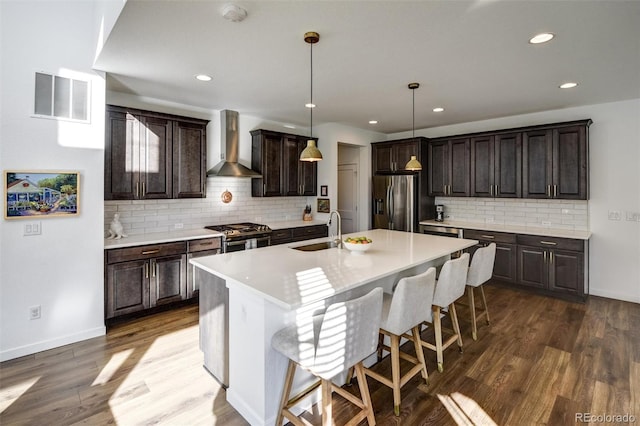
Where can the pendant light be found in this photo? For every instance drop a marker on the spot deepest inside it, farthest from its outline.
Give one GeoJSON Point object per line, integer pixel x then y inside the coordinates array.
{"type": "Point", "coordinates": [311, 152]}
{"type": "Point", "coordinates": [413, 164]}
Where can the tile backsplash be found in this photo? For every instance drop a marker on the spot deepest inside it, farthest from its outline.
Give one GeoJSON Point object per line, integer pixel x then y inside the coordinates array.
{"type": "Point", "coordinates": [559, 214]}
{"type": "Point", "coordinates": [148, 216]}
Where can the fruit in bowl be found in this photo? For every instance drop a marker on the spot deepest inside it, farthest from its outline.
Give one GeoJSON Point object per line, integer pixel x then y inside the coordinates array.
{"type": "Point", "coordinates": [358, 245]}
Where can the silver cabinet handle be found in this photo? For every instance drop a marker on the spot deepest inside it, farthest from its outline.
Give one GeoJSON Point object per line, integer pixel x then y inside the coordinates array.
{"type": "Point", "coordinates": [549, 243]}
{"type": "Point", "coordinates": [544, 256]}
{"type": "Point", "coordinates": [491, 190]}
{"type": "Point", "coordinates": [143, 190]}
{"type": "Point", "coordinates": [154, 267]}
{"type": "Point", "coordinates": [555, 191]}
{"type": "Point", "coordinates": [146, 270]}
{"type": "Point", "coordinates": [549, 191]}
{"type": "Point", "coordinates": [137, 189]}
{"type": "Point", "coordinates": [488, 237]}
{"type": "Point", "coordinates": [146, 252]}
{"type": "Point", "coordinates": [264, 188]}
{"type": "Point", "coordinates": [551, 256]}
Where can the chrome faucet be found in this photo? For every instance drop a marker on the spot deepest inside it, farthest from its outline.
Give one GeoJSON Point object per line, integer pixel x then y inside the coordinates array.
{"type": "Point", "coordinates": [338, 241]}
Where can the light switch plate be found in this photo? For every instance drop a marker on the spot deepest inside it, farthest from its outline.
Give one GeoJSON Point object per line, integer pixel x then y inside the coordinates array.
{"type": "Point", "coordinates": [32, 228]}
{"type": "Point", "coordinates": [615, 215]}
{"type": "Point", "coordinates": [633, 216]}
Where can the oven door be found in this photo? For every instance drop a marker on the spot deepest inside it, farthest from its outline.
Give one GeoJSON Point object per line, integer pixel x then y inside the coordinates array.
{"type": "Point", "coordinates": [245, 244]}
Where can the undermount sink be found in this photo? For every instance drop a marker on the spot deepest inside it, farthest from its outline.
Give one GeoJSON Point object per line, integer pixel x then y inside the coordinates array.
{"type": "Point", "coordinates": [316, 246]}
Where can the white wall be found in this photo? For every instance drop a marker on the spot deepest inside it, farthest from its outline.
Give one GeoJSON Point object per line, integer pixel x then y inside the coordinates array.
{"type": "Point", "coordinates": [61, 269]}
{"type": "Point", "coordinates": [329, 135]}
{"type": "Point", "coordinates": [614, 155]}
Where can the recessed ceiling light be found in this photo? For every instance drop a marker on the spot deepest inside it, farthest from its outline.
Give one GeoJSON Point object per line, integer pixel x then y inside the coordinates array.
{"type": "Point", "coordinates": [203, 77]}
{"type": "Point", "coordinates": [438, 109]}
{"type": "Point", "coordinates": [310, 105]}
{"type": "Point", "coordinates": [568, 85]}
{"type": "Point", "coordinates": [541, 38]}
{"type": "Point", "coordinates": [373, 121]}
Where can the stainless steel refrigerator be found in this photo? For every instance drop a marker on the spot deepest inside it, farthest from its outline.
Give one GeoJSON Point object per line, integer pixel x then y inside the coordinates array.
{"type": "Point", "coordinates": [395, 202]}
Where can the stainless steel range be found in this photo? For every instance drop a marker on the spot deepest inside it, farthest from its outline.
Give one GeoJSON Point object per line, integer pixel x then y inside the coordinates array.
{"type": "Point", "coordinates": [243, 236]}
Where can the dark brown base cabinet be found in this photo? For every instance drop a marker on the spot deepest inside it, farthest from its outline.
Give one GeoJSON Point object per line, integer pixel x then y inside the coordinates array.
{"type": "Point", "coordinates": [301, 233]}
{"type": "Point", "coordinates": [550, 265]}
{"type": "Point", "coordinates": [144, 277]}
{"type": "Point", "coordinates": [504, 268]}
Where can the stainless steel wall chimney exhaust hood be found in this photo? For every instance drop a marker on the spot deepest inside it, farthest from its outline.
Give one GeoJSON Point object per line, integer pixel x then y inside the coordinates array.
{"type": "Point", "coordinates": [229, 145]}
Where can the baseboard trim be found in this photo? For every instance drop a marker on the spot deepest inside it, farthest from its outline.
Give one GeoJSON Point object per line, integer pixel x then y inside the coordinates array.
{"type": "Point", "coordinates": [52, 343]}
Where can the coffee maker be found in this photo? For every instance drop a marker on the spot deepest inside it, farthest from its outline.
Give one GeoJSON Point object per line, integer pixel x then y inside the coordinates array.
{"type": "Point", "coordinates": [439, 213]}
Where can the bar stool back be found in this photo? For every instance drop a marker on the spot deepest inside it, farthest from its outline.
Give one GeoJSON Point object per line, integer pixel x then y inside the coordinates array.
{"type": "Point", "coordinates": [402, 312]}
{"type": "Point", "coordinates": [480, 272]}
{"type": "Point", "coordinates": [342, 337]}
{"type": "Point", "coordinates": [449, 288]}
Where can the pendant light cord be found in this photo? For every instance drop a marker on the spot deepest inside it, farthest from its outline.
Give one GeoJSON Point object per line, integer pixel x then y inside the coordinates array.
{"type": "Point", "coordinates": [311, 96]}
{"type": "Point", "coordinates": [413, 122]}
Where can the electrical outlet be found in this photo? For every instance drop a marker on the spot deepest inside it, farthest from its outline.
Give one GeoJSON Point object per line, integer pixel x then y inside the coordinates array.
{"type": "Point", "coordinates": [34, 312]}
{"type": "Point", "coordinates": [32, 228]}
{"type": "Point", "coordinates": [178, 226]}
{"type": "Point", "coordinates": [633, 216]}
{"type": "Point", "coordinates": [546, 223]}
{"type": "Point", "coordinates": [615, 215]}
{"type": "Point", "coordinates": [489, 220]}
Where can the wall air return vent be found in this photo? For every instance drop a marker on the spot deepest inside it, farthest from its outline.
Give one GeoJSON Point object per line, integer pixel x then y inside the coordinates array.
{"type": "Point", "coordinates": [61, 98]}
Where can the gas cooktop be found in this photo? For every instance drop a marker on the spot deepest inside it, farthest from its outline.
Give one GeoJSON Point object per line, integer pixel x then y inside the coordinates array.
{"type": "Point", "coordinates": [241, 230]}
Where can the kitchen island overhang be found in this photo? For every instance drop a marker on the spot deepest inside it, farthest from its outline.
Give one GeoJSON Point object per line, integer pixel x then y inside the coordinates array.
{"type": "Point", "coordinates": [276, 286]}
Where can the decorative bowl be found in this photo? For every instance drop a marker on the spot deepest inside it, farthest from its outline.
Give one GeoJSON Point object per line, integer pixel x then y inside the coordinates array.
{"type": "Point", "coordinates": [358, 248]}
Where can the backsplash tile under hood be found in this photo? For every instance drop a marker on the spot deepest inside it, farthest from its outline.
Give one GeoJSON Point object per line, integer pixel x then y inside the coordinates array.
{"type": "Point", "coordinates": [149, 216]}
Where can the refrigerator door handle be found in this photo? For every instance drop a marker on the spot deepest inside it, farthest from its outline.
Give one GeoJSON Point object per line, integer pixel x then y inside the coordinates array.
{"type": "Point", "coordinates": [392, 207]}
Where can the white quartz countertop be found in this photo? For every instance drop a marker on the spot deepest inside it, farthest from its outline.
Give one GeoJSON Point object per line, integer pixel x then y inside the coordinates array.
{"type": "Point", "coordinates": [514, 229]}
{"type": "Point", "coordinates": [291, 278]}
{"type": "Point", "coordinates": [161, 237]}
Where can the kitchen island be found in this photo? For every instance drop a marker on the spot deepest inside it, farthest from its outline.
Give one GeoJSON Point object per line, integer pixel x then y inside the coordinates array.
{"type": "Point", "coordinates": [272, 287]}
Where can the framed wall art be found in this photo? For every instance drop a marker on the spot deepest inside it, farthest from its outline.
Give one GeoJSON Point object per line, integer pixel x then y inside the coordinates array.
{"type": "Point", "coordinates": [323, 205]}
{"type": "Point", "coordinates": [37, 194]}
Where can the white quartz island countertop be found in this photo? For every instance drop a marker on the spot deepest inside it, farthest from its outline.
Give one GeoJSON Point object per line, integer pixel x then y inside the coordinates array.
{"type": "Point", "coordinates": [291, 278]}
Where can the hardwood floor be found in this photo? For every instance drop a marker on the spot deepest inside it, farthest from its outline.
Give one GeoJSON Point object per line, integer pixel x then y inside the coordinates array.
{"type": "Point", "coordinates": [540, 361]}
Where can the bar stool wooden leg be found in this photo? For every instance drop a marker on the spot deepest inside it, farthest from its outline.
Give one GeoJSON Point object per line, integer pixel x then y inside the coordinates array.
{"type": "Point", "coordinates": [286, 391]}
{"type": "Point", "coordinates": [395, 372]}
{"type": "Point", "coordinates": [456, 326]}
{"type": "Point", "coordinates": [420, 352]}
{"type": "Point", "coordinates": [327, 412]}
{"type": "Point", "coordinates": [472, 307]}
{"type": "Point", "coordinates": [364, 393]}
{"type": "Point", "coordinates": [437, 330]}
{"type": "Point", "coordinates": [484, 302]}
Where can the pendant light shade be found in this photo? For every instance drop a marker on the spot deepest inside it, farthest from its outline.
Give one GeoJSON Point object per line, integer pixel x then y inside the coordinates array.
{"type": "Point", "coordinates": [413, 164]}
{"type": "Point", "coordinates": [311, 152]}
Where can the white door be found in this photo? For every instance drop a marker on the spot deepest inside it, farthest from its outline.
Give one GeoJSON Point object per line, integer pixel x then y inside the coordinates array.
{"type": "Point", "coordinates": [348, 197]}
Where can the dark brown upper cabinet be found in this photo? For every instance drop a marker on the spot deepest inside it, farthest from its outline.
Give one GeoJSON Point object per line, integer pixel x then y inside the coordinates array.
{"type": "Point", "coordinates": [390, 157]}
{"type": "Point", "coordinates": [496, 165]}
{"type": "Point", "coordinates": [556, 161]}
{"type": "Point", "coordinates": [151, 155]}
{"type": "Point", "coordinates": [448, 167]}
{"type": "Point", "coordinates": [276, 156]}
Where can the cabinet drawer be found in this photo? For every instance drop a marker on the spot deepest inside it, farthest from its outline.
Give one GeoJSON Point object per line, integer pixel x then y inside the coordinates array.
{"type": "Point", "coordinates": [280, 236]}
{"type": "Point", "coordinates": [146, 252]}
{"type": "Point", "coordinates": [308, 232]}
{"type": "Point", "coordinates": [203, 244]}
{"type": "Point", "coordinates": [551, 242]}
{"type": "Point", "coordinates": [498, 237]}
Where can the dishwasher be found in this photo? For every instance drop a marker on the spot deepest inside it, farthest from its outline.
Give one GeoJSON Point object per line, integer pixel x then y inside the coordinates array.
{"type": "Point", "coordinates": [443, 231]}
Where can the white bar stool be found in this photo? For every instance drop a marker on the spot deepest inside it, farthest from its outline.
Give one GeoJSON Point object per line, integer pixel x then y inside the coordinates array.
{"type": "Point", "coordinates": [401, 312]}
{"type": "Point", "coordinates": [342, 337]}
{"type": "Point", "coordinates": [480, 272]}
{"type": "Point", "coordinates": [449, 288]}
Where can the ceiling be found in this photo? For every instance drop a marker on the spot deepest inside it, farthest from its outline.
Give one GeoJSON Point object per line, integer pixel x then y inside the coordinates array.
{"type": "Point", "coordinates": [470, 57]}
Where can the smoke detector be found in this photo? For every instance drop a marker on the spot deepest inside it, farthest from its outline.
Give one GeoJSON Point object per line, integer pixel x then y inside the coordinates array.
{"type": "Point", "coordinates": [233, 13]}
